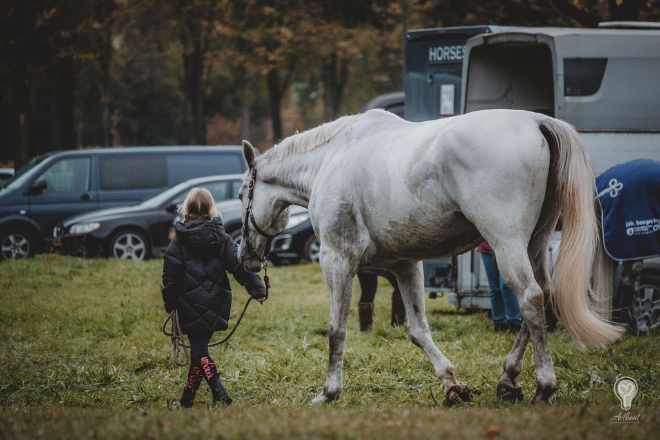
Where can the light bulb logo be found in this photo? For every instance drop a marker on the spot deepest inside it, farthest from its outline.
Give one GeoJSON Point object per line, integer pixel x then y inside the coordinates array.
{"type": "Point", "coordinates": [625, 388]}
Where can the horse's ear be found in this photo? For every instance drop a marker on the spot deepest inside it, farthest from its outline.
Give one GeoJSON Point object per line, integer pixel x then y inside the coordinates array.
{"type": "Point", "coordinates": [248, 153]}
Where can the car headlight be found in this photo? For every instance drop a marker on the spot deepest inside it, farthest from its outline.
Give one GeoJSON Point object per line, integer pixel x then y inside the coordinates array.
{"type": "Point", "coordinates": [84, 228]}
{"type": "Point", "coordinates": [295, 220]}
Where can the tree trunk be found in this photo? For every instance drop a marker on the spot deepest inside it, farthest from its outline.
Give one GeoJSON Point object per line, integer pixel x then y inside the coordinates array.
{"type": "Point", "coordinates": [20, 104]}
{"type": "Point", "coordinates": [245, 119]}
{"type": "Point", "coordinates": [106, 123]}
{"type": "Point", "coordinates": [276, 93]}
{"type": "Point", "coordinates": [335, 76]}
{"type": "Point", "coordinates": [193, 86]}
{"type": "Point", "coordinates": [62, 131]}
{"type": "Point", "coordinates": [275, 102]}
{"type": "Point", "coordinates": [247, 96]}
{"type": "Point", "coordinates": [6, 131]}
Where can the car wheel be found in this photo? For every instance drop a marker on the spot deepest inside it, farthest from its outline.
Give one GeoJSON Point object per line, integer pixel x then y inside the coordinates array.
{"type": "Point", "coordinates": [129, 245]}
{"type": "Point", "coordinates": [312, 249]}
{"type": "Point", "coordinates": [15, 244]}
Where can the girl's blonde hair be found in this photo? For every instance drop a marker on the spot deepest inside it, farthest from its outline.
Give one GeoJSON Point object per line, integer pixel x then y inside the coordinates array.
{"type": "Point", "coordinates": [199, 205]}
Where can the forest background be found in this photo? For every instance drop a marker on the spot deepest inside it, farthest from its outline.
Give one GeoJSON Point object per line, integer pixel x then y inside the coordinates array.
{"type": "Point", "coordinates": [111, 73]}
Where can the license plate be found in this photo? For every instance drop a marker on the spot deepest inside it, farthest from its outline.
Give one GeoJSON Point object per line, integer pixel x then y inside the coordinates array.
{"type": "Point", "coordinates": [57, 242]}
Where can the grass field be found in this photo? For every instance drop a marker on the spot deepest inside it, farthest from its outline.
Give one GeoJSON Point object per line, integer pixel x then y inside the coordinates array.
{"type": "Point", "coordinates": [83, 356]}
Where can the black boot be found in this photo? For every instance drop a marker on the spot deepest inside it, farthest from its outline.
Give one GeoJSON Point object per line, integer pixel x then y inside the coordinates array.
{"type": "Point", "coordinates": [189, 392]}
{"type": "Point", "coordinates": [366, 314]}
{"type": "Point", "coordinates": [500, 327]}
{"type": "Point", "coordinates": [220, 394]}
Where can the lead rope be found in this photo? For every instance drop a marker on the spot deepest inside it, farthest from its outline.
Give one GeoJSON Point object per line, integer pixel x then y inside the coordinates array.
{"type": "Point", "coordinates": [178, 343]}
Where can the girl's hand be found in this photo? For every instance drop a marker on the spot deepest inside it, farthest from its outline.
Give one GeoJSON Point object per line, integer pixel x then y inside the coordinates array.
{"type": "Point", "coordinates": [262, 300]}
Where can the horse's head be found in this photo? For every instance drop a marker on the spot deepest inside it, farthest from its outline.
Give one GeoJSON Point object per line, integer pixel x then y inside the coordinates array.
{"type": "Point", "coordinates": [264, 214]}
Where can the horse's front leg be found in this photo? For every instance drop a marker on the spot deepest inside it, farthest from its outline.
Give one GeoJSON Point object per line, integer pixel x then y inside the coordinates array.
{"type": "Point", "coordinates": [411, 282]}
{"type": "Point", "coordinates": [339, 273]}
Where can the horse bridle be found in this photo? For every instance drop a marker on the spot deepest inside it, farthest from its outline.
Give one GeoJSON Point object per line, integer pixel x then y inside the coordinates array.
{"type": "Point", "coordinates": [249, 217]}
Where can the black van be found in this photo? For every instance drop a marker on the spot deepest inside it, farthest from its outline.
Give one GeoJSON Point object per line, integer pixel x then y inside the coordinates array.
{"type": "Point", "coordinates": [60, 185]}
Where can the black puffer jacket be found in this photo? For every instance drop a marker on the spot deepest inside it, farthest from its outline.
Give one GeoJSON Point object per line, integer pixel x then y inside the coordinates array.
{"type": "Point", "coordinates": [195, 278]}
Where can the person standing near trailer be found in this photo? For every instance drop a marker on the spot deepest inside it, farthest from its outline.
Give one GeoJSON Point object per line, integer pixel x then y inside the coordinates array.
{"type": "Point", "coordinates": [505, 309]}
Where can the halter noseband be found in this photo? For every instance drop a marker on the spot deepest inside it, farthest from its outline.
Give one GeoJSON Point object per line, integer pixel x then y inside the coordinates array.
{"type": "Point", "coordinates": [250, 217]}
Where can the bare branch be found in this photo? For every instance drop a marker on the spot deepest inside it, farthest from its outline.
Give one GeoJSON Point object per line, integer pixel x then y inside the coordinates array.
{"type": "Point", "coordinates": [580, 15]}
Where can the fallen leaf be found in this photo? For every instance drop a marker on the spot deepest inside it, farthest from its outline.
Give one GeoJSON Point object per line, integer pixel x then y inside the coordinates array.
{"type": "Point", "coordinates": [164, 423]}
{"type": "Point", "coordinates": [393, 423]}
{"type": "Point", "coordinates": [493, 431]}
{"type": "Point", "coordinates": [40, 432]}
{"type": "Point", "coordinates": [133, 348]}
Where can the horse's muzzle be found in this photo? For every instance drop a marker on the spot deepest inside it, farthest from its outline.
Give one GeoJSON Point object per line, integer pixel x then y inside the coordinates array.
{"type": "Point", "coordinates": [248, 261]}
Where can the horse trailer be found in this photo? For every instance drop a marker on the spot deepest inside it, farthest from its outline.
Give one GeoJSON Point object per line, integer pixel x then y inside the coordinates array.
{"type": "Point", "coordinates": [602, 81]}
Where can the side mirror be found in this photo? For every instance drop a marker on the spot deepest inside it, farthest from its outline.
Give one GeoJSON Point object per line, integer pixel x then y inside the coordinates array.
{"type": "Point", "coordinates": [172, 208]}
{"type": "Point", "coordinates": [38, 186]}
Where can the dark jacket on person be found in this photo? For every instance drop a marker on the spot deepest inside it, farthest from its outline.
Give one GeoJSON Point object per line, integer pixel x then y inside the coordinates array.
{"type": "Point", "coordinates": [195, 278]}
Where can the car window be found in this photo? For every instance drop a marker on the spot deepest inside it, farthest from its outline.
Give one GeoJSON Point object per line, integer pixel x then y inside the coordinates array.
{"type": "Point", "coordinates": [235, 187]}
{"type": "Point", "coordinates": [67, 175]}
{"type": "Point", "coordinates": [189, 166]}
{"type": "Point", "coordinates": [133, 171]}
{"type": "Point", "coordinates": [19, 177]}
{"type": "Point", "coordinates": [219, 190]}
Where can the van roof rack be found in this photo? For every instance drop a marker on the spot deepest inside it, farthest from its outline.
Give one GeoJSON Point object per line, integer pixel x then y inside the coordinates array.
{"type": "Point", "coordinates": [628, 25]}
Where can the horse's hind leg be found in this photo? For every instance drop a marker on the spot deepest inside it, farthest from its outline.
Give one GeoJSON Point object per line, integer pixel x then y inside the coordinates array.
{"type": "Point", "coordinates": [507, 387]}
{"type": "Point", "coordinates": [516, 269]}
{"type": "Point", "coordinates": [339, 278]}
{"type": "Point", "coordinates": [411, 283]}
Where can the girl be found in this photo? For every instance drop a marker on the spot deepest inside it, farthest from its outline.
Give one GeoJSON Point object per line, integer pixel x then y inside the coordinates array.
{"type": "Point", "coordinates": [195, 283]}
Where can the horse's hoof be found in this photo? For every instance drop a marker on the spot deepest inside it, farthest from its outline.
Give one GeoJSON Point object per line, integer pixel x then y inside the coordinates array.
{"type": "Point", "coordinates": [457, 394]}
{"type": "Point", "coordinates": [511, 394]}
{"type": "Point", "coordinates": [324, 398]}
{"type": "Point", "coordinates": [542, 397]}
{"type": "Point", "coordinates": [320, 399]}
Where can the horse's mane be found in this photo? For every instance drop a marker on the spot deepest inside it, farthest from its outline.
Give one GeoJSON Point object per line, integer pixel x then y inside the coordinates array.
{"type": "Point", "coordinates": [311, 139]}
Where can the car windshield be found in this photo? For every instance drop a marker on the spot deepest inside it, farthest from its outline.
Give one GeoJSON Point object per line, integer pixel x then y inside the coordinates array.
{"type": "Point", "coordinates": [22, 175]}
{"type": "Point", "coordinates": [165, 195]}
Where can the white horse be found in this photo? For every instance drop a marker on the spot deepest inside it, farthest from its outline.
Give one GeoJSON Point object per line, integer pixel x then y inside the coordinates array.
{"type": "Point", "coordinates": [387, 193]}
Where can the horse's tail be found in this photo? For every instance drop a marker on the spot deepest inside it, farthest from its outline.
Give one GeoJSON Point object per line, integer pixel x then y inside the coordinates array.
{"type": "Point", "coordinates": [572, 297]}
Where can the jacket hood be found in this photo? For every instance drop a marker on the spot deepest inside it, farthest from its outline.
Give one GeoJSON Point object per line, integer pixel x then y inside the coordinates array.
{"type": "Point", "coordinates": [204, 237]}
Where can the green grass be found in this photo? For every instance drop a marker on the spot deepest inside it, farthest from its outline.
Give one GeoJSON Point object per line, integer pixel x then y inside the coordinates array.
{"type": "Point", "coordinates": [81, 339]}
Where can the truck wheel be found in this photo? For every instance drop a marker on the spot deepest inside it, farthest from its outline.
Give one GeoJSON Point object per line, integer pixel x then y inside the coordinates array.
{"type": "Point", "coordinates": [15, 244]}
{"type": "Point", "coordinates": [649, 298]}
{"type": "Point", "coordinates": [129, 245]}
{"type": "Point", "coordinates": [312, 249]}
{"type": "Point", "coordinates": [649, 303]}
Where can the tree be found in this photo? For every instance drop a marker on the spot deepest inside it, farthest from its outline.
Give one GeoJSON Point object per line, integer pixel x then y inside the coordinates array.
{"type": "Point", "coordinates": [591, 14]}
{"type": "Point", "coordinates": [196, 26]}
